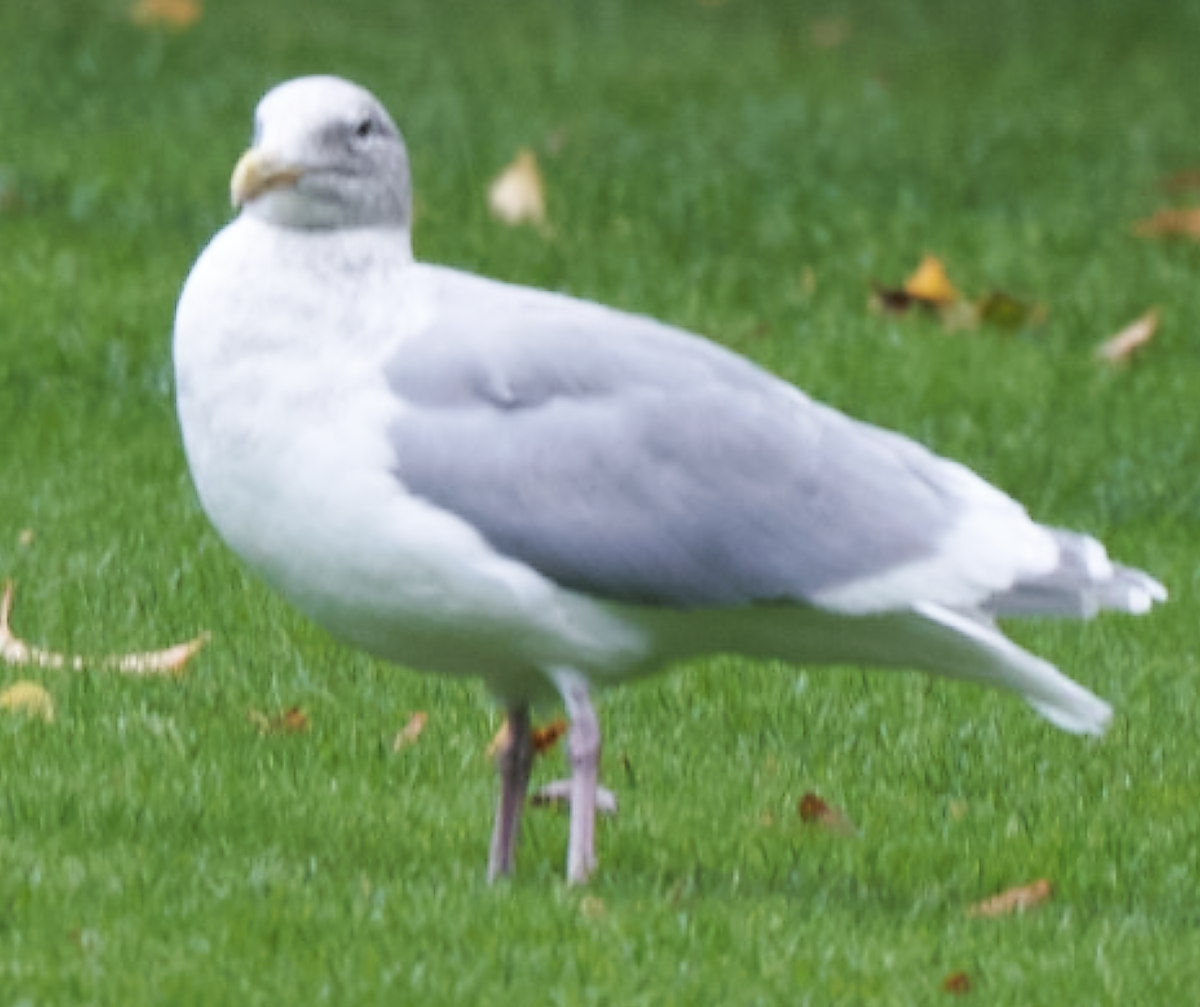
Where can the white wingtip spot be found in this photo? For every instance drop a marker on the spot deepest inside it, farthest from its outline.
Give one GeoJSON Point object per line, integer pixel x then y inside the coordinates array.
{"type": "Point", "coordinates": [1139, 601]}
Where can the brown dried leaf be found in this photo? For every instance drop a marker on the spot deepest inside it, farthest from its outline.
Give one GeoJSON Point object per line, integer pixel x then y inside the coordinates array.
{"type": "Point", "coordinates": [518, 195]}
{"type": "Point", "coordinates": [411, 731]}
{"type": "Point", "coordinates": [1133, 337]}
{"type": "Point", "coordinates": [891, 300]}
{"type": "Point", "coordinates": [30, 699]}
{"type": "Point", "coordinates": [815, 811]}
{"type": "Point", "coordinates": [1170, 223]}
{"type": "Point", "coordinates": [293, 720]}
{"type": "Point", "coordinates": [177, 15]}
{"type": "Point", "coordinates": [1013, 900]}
{"type": "Point", "coordinates": [15, 651]}
{"type": "Point", "coordinates": [958, 983]}
{"type": "Point", "coordinates": [545, 738]}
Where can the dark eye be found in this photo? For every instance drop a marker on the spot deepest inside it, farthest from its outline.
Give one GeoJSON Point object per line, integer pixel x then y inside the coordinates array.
{"type": "Point", "coordinates": [365, 129]}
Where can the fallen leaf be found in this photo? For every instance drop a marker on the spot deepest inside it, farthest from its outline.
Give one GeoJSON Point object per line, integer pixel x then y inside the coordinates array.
{"type": "Point", "coordinates": [293, 720]}
{"type": "Point", "coordinates": [929, 288]}
{"type": "Point", "coordinates": [958, 983]}
{"type": "Point", "coordinates": [25, 538]}
{"type": "Point", "coordinates": [518, 195]}
{"type": "Point", "coordinates": [1170, 223]}
{"type": "Point", "coordinates": [1133, 337]}
{"type": "Point", "coordinates": [1002, 309]}
{"type": "Point", "coordinates": [1013, 900]}
{"type": "Point", "coordinates": [930, 283]}
{"type": "Point", "coordinates": [544, 738]}
{"type": "Point", "coordinates": [829, 32]}
{"type": "Point", "coordinates": [815, 811]}
{"type": "Point", "coordinates": [411, 731]}
{"type": "Point", "coordinates": [15, 651]}
{"type": "Point", "coordinates": [173, 14]}
{"type": "Point", "coordinates": [891, 300]}
{"type": "Point", "coordinates": [28, 698]}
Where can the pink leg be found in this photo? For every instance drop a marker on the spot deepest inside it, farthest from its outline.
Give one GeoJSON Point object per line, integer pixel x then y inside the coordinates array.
{"type": "Point", "coordinates": [583, 744]}
{"type": "Point", "coordinates": [513, 764]}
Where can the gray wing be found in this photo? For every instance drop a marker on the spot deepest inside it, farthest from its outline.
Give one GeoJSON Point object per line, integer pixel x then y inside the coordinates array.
{"type": "Point", "coordinates": [635, 462]}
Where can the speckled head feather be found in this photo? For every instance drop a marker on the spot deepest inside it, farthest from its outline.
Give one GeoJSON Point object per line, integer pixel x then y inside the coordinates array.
{"type": "Point", "coordinates": [326, 154]}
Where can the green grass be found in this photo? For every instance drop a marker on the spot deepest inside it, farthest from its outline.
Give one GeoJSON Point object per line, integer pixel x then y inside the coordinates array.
{"type": "Point", "coordinates": [155, 848]}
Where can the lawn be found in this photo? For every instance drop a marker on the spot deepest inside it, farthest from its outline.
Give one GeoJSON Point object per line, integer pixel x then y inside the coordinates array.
{"type": "Point", "coordinates": [746, 169]}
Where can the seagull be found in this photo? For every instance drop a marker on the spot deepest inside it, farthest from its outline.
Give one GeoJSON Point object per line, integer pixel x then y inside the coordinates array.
{"type": "Point", "coordinates": [473, 478]}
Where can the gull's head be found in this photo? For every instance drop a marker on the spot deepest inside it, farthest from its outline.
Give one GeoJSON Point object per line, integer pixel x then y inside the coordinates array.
{"type": "Point", "coordinates": [326, 155]}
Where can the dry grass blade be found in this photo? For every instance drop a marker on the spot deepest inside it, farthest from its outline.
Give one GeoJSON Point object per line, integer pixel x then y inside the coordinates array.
{"type": "Point", "coordinates": [15, 651]}
{"type": "Point", "coordinates": [1130, 339]}
{"type": "Point", "coordinates": [1013, 900]}
{"type": "Point", "coordinates": [410, 732]}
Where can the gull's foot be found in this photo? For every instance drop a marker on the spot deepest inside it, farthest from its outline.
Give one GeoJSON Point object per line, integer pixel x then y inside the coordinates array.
{"type": "Point", "coordinates": [559, 792]}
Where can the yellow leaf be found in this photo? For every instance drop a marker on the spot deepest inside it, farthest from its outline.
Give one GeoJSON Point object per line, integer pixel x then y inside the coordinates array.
{"type": "Point", "coordinates": [930, 283]}
{"type": "Point", "coordinates": [28, 698]}
{"type": "Point", "coordinates": [1013, 900]}
{"type": "Point", "coordinates": [518, 195]}
{"type": "Point", "coordinates": [411, 731]}
{"type": "Point", "coordinates": [175, 14]}
{"type": "Point", "coordinates": [1130, 339]}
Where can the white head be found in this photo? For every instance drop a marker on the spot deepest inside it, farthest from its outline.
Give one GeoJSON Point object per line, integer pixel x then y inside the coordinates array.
{"type": "Point", "coordinates": [326, 155]}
